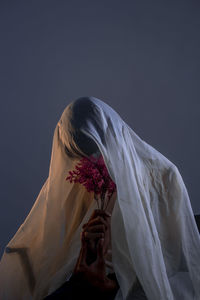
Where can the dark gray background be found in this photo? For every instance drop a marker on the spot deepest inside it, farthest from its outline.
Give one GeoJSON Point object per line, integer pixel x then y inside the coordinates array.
{"type": "Point", "coordinates": [141, 57]}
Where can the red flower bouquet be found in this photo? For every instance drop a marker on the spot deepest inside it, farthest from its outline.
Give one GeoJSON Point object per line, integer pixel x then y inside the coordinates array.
{"type": "Point", "coordinates": [93, 174]}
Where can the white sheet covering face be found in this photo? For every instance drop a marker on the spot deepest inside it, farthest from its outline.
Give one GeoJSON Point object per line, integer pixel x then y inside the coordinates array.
{"type": "Point", "coordinates": [154, 234]}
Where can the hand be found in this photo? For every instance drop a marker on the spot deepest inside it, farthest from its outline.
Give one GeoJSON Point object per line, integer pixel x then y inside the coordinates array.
{"type": "Point", "coordinates": [95, 273]}
{"type": "Point", "coordinates": [97, 227]}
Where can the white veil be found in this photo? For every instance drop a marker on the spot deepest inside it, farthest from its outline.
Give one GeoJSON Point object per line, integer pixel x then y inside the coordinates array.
{"type": "Point", "coordinates": [154, 233]}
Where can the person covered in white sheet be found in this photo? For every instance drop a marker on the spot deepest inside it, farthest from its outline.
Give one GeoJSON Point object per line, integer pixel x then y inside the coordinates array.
{"type": "Point", "coordinates": [93, 276]}
{"type": "Point", "coordinates": [145, 246]}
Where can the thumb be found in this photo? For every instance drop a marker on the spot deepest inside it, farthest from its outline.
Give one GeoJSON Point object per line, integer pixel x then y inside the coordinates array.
{"type": "Point", "coordinates": [100, 256]}
{"type": "Point", "coordinates": [83, 250]}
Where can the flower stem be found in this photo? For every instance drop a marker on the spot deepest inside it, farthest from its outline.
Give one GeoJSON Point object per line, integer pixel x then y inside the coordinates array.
{"type": "Point", "coordinates": [96, 198]}
{"type": "Point", "coordinates": [108, 198]}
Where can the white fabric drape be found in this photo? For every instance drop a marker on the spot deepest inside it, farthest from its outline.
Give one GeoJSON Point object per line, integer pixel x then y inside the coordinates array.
{"type": "Point", "coordinates": [154, 233]}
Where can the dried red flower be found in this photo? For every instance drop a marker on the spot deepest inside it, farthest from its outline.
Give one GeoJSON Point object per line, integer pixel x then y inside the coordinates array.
{"type": "Point", "coordinates": [92, 173]}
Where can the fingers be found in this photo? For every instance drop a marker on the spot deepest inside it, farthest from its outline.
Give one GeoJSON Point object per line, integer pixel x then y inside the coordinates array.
{"type": "Point", "coordinates": [96, 221]}
{"type": "Point", "coordinates": [99, 212]}
{"type": "Point", "coordinates": [93, 235]}
{"type": "Point", "coordinates": [95, 228]}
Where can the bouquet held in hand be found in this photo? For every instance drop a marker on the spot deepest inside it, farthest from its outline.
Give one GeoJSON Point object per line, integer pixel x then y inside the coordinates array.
{"type": "Point", "coordinates": [93, 174]}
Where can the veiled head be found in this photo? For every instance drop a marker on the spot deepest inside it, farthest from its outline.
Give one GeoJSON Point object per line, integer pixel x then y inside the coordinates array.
{"type": "Point", "coordinates": [80, 112]}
